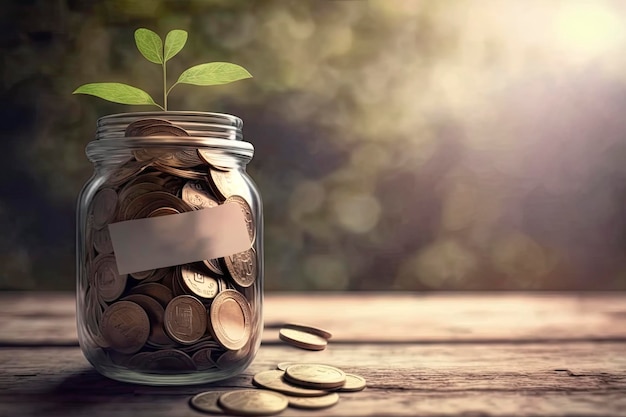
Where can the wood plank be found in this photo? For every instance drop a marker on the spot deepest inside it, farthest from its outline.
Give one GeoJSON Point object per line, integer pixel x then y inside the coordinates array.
{"type": "Point", "coordinates": [403, 380]}
{"type": "Point", "coordinates": [48, 318]}
{"type": "Point", "coordinates": [533, 379]}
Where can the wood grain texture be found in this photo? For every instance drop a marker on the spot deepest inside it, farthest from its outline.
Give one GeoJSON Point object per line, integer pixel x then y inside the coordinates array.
{"type": "Point", "coordinates": [396, 317]}
{"type": "Point", "coordinates": [442, 355]}
{"type": "Point", "coordinates": [406, 380]}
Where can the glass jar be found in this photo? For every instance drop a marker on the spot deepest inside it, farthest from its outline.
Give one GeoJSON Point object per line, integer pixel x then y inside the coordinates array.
{"type": "Point", "coordinates": [169, 249]}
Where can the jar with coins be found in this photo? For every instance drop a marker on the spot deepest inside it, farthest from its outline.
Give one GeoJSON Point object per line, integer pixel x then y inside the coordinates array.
{"type": "Point", "coordinates": [169, 249]}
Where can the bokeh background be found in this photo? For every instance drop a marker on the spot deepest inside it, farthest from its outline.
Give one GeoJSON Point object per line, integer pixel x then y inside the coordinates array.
{"type": "Point", "coordinates": [400, 144]}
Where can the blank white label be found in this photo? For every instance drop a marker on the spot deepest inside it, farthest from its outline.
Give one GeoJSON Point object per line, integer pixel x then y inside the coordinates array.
{"type": "Point", "coordinates": [176, 239]}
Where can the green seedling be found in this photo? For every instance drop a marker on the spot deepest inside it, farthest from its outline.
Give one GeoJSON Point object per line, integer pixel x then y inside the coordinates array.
{"type": "Point", "coordinates": [154, 50]}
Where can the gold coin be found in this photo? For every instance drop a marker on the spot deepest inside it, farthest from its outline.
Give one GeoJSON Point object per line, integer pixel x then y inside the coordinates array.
{"type": "Point", "coordinates": [104, 207]}
{"type": "Point", "coordinates": [242, 267]}
{"type": "Point", "coordinates": [163, 211]}
{"type": "Point", "coordinates": [214, 266]}
{"type": "Point", "coordinates": [228, 183]}
{"type": "Point", "coordinates": [168, 360]}
{"type": "Point", "coordinates": [190, 174]}
{"type": "Point", "coordinates": [135, 128]}
{"type": "Point", "coordinates": [157, 291]}
{"type": "Point", "coordinates": [124, 173]}
{"type": "Point", "coordinates": [247, 213]}
{"type": "Point", "coordinates": [155, 313]}
{"type": "Point", "coordinates": [253, 402]}
{"type": "Point", "coordinates": [207, 402]}
{"type": "Point", "coordinates": [202, 359]}
{"type": "Point", "coordinates": [162, 129]}
{"type": "Point", "coordinates": [145, 204]}
{"type": "Point", "coordinates": [202, 285]}
{"type": "Point", "coordinates": [231, 358]}
{"type": "Point", "coordinates": [315, 376]}
{"type": "Point", "coordinates": [108, 282]}
{"type": "Point", "coordinates": [141, 275]}
{"type": "Point", "coordinates": [274, 381]}
{"type": "Point", "coordinates": [302, 340]}
{"type": "Point", "coordinates": [125, 325]}
{"type": "Point", "coordinates": [195, 194]}
{"type": "Point", "coordinates": [134, 190]}
{"type": "Point", "coordinates": [102, 241]}
{"type": "Point", "coordinates": [313, 403]}
{"type": "Point", "coordinates": [284, 365]}
{"type": "Point", "coordinates": [185, 319]}
{"type": "Point", "coordinates": [230, 319]}
{"type": "Point", "coordinates": [353, 383]}
{"type": "Point", "coordinates": [309, 329]}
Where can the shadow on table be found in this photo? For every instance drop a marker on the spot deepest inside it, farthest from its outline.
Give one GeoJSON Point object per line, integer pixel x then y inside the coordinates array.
{"type": "Point", "coordinates": [87, 390]}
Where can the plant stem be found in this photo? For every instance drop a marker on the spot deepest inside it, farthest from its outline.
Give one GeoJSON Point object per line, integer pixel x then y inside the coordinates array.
{"type": "Point", "coordinates": [164, 86]}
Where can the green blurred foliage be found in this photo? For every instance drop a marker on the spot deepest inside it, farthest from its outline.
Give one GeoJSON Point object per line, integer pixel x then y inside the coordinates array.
{"type": "Point", "coordinates": [400, 144]}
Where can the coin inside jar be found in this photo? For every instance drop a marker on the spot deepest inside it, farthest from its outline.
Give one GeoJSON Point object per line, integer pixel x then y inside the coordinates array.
{"type": "Point", "coordinates": [230, 319]}
{"type": "Point", "coordinates": [185, 319]}
{"type": "Point", "coordinates": [155, 313]}
{"type": "Point", "coordinates": [200, 284]}
{"type": "Point", "coordinates": [242, 267]}
{"type": "Point", "coordinates": [125, 325]}
{"type": "Point", "coordinates": [108, 282]}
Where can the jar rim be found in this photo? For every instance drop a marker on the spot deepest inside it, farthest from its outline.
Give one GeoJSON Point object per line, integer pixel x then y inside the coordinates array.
{"type": "Point", "coordinates": [229, 119]}
{"type": "Point", "coordinates": [196, 124]}
{"type": "Point", "coordinates": [237, 148]}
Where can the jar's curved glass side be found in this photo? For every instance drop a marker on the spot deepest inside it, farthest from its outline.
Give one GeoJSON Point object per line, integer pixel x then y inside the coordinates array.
{"type": "Point", "coordinates": [259, 248]}
{"type": "Point", "coordinates": [86, 331]}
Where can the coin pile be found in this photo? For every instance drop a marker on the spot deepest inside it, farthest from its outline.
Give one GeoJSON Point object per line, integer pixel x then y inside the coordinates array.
{"type": "Point", "coordinates": [196, 316]}
{"type": "Point", "coordinates": [297, 385]}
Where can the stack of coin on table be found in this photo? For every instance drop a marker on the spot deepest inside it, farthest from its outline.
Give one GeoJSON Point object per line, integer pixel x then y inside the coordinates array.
{"type": "Point", "coordinates": [190, 317]}
{"type": "Point", "coordinates": [297, 385]}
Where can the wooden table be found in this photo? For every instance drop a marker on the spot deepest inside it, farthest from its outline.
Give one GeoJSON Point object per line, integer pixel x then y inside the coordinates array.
{"type": "Point", "coordinates": [462, 354]}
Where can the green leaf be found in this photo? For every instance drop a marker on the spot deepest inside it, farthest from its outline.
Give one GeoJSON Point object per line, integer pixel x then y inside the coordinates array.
{"type": "Point", "coordinates": [150, 45]}
{"type": "Point", "coordinates": [174, 42]}
{"type": "Point", "coordinates": [213, 73]}
{"type": "Point", "coordinates": [117, 93]}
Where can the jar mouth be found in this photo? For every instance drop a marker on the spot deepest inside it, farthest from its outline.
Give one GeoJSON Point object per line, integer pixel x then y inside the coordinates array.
{"type": "Point", "coordinates": [197, 124]}
{"type": "Point", "coordinates": [104, 149]}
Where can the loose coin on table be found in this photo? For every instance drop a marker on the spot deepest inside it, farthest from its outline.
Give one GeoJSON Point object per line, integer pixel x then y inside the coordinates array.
{"type": "Point", "coordinates": [253, 402]}
{"type": "Point", "coordinates": [284, 365]}
{"type": "Point", "coordinates": [230, 319]}
{"type": "Point", "coordinates": [302, 339]}
{"type": "Point", "coordinates": [274, 381]}
{"type": "Point", "coordinates": [207, 402]}
{"type": "Point", "coordinates": [353, 383]}
{"type": "Point", "coordinates": [313, 403]}
{"type": "Point", "coordinates": [315, 376]}
{"type": "Point", "coordinates": [308, 329]}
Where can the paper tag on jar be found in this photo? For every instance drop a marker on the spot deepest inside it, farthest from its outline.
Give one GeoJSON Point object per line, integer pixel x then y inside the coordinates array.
{"type": "Point", "coordinates": [176, 239]}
